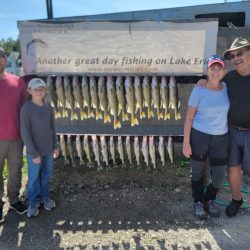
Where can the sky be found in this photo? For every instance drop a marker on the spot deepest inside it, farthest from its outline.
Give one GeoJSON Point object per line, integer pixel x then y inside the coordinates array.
{"type": "Point", "coordinates": [12, 11]}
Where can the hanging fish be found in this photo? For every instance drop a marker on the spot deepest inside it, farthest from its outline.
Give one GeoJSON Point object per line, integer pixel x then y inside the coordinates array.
{"type": "Point", "coordinates": [170, 149]}
{"type": "Point", "coordinates": [53, 96]}
{"type": "Point", "coordinates": [86, 147]}
{"type": "Point", "coordinates": [161, 150]}
{"type": "Point", "coordinates": [164, 97]}
{"type": "Point", "coordinates": [137, 150]}
{"type": "Point", "coordinates": [70, 149]}
{"type": "Point", "coordinates": [113, 101]}
{"type": "Point", "coordinates": [112, 148]}
{"type": "Point", "coordinates": [63, 148]}
{"type": "Point", "coordinates": [138, 97]}
{"type": "Point", "coordinates": [152, 151]}
{"type": "Point", "coordinates": [147, 96]}
{"type": "Point", "coordinates": [120, 149]}
{"type": "Point", "coordinates": [69, 97]}
{"type": "Point", "coordinates": [78, 97]}
{"type": "Point", "coordinates": [94, 97]}
{"type": "Point", "coordinates": [121, 98]}
{"type": "Point", "coordinates": [174, 102]}
{"type": "Point", "coordinates": [144, 149]}
{"type": "Point", "coordinates": [86, 96]}
{"type": "Point", "coordinates": [129, 149]}
{"type": "Point", "coordinates": [104, 150]}
{"type": "Point", "coordinates": [130, 97]}
{"type": "Point", "coordinates": [79, 149]}
{"type": "Point", "coordinates": [96, 150]}
{"type": "Point", "coordinates": [156, 96]}
{"type": "Point", "coordinates": [61, 95]}
{"type": "Point", "coordinates": [102, 94]}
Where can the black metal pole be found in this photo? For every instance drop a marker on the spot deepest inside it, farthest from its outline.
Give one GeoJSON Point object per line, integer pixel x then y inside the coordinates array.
{"type": "Point", "coordinates": [49, 9]}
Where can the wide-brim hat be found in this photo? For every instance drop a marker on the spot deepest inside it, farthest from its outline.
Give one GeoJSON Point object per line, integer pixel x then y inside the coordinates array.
{"type": "Point", "coordinates": [237, 44]}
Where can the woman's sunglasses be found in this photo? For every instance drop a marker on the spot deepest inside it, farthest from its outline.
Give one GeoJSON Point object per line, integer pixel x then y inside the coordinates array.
{"type": "Point", "coordinates": [238, 54]}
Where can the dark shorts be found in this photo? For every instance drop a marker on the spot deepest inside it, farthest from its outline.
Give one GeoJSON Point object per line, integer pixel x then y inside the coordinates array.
{"type": "Point", "coordinates": [213, 146]}
{"type": "Point", "coordinates": [239, 150]}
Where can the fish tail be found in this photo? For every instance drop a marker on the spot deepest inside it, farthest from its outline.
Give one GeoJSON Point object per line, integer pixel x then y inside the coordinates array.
{"type": "Point", "coordinates": [90, 114]}
{"type": "Point", "coordinates": [117, 124]}
{"type": "Point", "coordinates": [57, 114]}
{"type": "Point", "coordinates": [134, 121]}
{"type": "Point", "coordinates": [177, 115]}
{"type": "Point", "coordinates": [124, 116]}
{"type": "Point", "coordinates": [159, 115]}
{"type": "Point", "coordinates": [167, 115]}
{"type": "Point", "coordinates": [65, 113]}
{"type": "Point", "coordinates": [73, 116]}
{"type": "Point", "coordinates": [106, 118]}
{"type": "Point", "coordinates": [142, 114]}
{"type": "Point", "coordinates": [98, 115]}
{"type": "Point", "coordinates": [150, 113]}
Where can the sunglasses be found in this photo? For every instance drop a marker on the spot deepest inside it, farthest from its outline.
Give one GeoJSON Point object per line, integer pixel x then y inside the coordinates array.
{"type": "Point", "coordinates": [216, 57]}
{"type": "Point", "coordinates": [238, 54]}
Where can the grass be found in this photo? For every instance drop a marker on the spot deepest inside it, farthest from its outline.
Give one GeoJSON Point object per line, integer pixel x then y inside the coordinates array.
{"type": "Point", "coordinates": [24, 169]}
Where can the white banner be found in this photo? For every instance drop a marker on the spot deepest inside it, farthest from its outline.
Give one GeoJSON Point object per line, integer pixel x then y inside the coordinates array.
{"type": "Point", "coordinates": [145, 47]}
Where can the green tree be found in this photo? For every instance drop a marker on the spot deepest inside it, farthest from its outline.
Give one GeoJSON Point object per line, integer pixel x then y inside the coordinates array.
{"type": "Point", "coordinates": [10, 45]}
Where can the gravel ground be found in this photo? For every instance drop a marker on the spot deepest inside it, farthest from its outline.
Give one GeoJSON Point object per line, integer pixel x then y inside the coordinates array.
{"type": "Point", "coordinates": [123, 209]}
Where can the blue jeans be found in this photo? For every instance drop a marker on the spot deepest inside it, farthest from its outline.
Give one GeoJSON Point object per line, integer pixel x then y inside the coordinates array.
{"type": "Point", "coordinates": [39, 177]}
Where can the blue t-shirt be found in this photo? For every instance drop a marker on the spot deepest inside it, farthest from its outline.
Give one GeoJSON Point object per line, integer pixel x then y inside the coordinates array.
{"type": "Point", "coordinates": [212, 108]}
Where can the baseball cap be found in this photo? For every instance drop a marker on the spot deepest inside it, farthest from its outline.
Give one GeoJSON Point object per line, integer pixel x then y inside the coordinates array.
{"type": "Point", "coordinates": [36, 83]}
{"type": "Point", "coordinates": [216, 59]}
{"type": "Point", "coordinates": [3, 53]}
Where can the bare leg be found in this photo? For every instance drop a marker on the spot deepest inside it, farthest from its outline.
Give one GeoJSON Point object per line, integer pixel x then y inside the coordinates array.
{"type": "Point", "coordinates": [235, 179]}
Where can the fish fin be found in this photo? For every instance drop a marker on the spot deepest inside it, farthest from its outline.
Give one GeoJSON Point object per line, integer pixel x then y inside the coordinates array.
{"type": "Point", "coordinates": [85, 104]}
{"type": "Point", "coordinates": [77, 105]}
{"type": "Point", "coordinates": [59, 103]}
{"type": "Point", "coordinates": [128, 110]}
{"type": "Point", "coordinates": [119, 109]}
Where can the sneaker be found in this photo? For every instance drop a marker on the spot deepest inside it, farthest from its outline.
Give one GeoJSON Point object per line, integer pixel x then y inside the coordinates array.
{"type": "Point", "coordinates": [33, 210]}
{"type": "Point", "coordinates": [233, 208]}
{"type": "Point", "coordinates": [19, 207]}
{"type": "Point", "coordinates": [48, 204]}
{"type": "Point", "coordinates": [1, 215]}
{"type": "Point", "coordinates": [212, 209]}
{"type": "Point", "coordinates": [199, 210]}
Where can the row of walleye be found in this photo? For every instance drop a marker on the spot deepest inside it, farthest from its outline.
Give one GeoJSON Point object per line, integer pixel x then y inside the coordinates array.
{"type": "Point", "coordinates": [129, 149]}
{"type": "Point", "coordinates": [103, 97]}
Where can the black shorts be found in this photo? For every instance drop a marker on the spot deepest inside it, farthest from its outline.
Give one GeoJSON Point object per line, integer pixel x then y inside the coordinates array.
{"type": "Point", "coordinates": [213, 146]}
{"type": "Point", "coordinates": [239, 150]}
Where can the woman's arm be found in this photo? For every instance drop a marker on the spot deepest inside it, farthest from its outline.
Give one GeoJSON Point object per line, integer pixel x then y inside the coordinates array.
{"type": "Point", "coordinates": [186, 148]}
